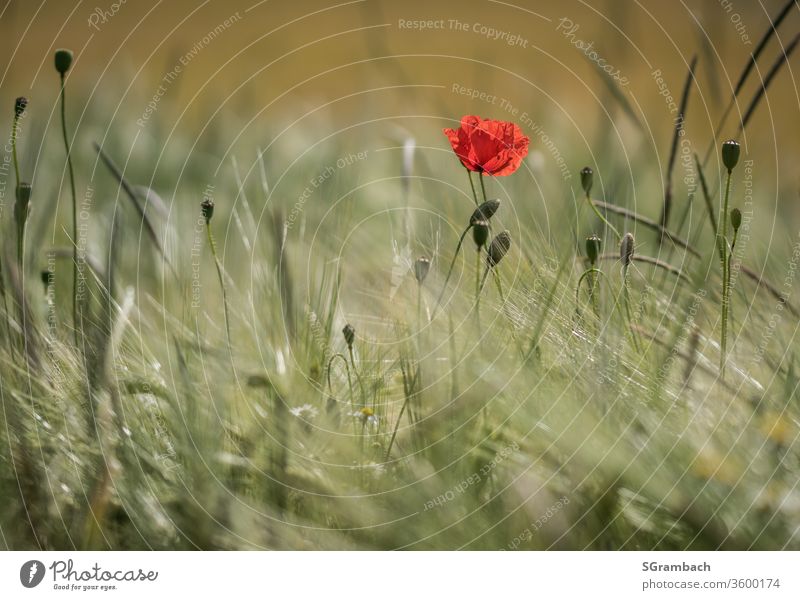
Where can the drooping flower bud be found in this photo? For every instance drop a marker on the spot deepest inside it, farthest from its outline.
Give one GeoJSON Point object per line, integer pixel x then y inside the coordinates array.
{"type": "Point", "coordinates": [19, 105]}
{"type": "Point", "coordinates": [485, 211]}
{"type": "Point", "coordinates": [349, 335]}
{"type": "Point", "coordinates": [498, 248]}
{"type": "Point", "coordinates": [421, 268]}
{"type": "Point", "coordinates": [63, 60]}
{"type": "Point", "coordinates": [207, 209]}
{"type": "Point", "coordinates": [736, 219]}
{"type": "Point", "coordinates": [46, 276]}
{"type": "Point", "coordinates": [593, 244]}
{"type": "Point", "coordinates": [626, 249]}
{"type": "Point", "coordinates": [587, 178]}
{"type": "Point", "coordinates": [730, 154]}
{"type": "Point", "coordinates": [480, 233]}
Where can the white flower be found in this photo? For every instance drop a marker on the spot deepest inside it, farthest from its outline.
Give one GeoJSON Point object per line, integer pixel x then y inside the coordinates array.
{"type": "Point", "coordinates": [366, 416]}
{"type": "Point", "coordinates": [306, 412]}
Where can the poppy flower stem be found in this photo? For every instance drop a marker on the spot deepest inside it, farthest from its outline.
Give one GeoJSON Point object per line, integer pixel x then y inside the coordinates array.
{"type": "Point", "coordinates": [450, 271]}
{"type": "Point", "coordinates": [74, 211]}
{"type": "Point", "coordinates": [626, 300]}
{"type": "Point", "coordinates": [341, 356]}
{"type": "Point", "coordinates": [483, 187]}
{"type": "Point", "coordinates": [593, 275]}
{"type": "Point", "coordinates": [601, 217]}
{"type": "Point", "coordinates": [221, 278]}
{"type": "Point", "coordinates": [14, 134]}
{"type": "Point", "coordinates": [478, 287]}
{"type": "Point", "coordinates": [472, 186]}
{"type": "Point", "coordinates": [725, 252]}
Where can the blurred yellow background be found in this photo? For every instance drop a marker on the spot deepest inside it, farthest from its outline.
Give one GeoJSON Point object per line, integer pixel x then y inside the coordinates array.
{"type": "Point", "coordinates": [254, 66]}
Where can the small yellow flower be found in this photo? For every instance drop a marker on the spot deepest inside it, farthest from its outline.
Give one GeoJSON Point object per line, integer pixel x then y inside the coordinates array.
{"type": "Point", "coordinates": [777, 428]}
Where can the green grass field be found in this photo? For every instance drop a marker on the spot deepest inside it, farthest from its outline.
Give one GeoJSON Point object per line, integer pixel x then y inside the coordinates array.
{"type": "Point", "coordinates": [206, 396]}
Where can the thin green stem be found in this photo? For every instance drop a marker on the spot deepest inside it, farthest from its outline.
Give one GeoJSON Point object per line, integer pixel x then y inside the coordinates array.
{"type": "Point", "coordinates": [478, 287]}
{"type": "Point", "coordinates": [450, 270]}
{"type": "Point", "coordinates": [592, 276]}
{"type": "Point", "coordinates": [75, 302]}
{"type": "Point", "coordinates": [358, 377]}
{"type": "Point", "coordinates": [14, 134]}
{"type": "Point", "coordinates": [349, 383]}
{"type": "Point", "coordinates": [472, 186]}
{"type": "Point", "coordinates": [725, 256]}
{"type": "Point", "coordinates": [626, 300]}
{"type": "Point", "coordinates": [221, 278]}
{"type": "Point", "coordinates": [601, 217]}
{"type": "Point", "coordinates": [483, 187]}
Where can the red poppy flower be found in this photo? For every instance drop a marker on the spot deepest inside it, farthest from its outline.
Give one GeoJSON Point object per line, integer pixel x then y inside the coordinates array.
{"type": "Point", "coordinates": [487, 146]}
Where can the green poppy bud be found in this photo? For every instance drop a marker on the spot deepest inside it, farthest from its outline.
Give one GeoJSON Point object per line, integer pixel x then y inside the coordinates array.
{"type": "Point", "coordinates": [207, 208]}
{"type": "Point", "coordinates": [498, 248]}
{"type": "Point", "coordinates": [421, 268]}
{"type": "Point", "coordinates": [480, 233]}
{"type": "Point", "coordinates": [626, 249]}
{"type": "Point", "coordinates": [730, 154]}
{"type": "Point", "coordinates": [349, 335]}
{"type": "Point", "coordinates": [22, 207]}
{"type": "Point", "coordinates": [19, 106]}
{"type": "Point", "coordinates": [63, 60]}
{"type": "Point", "coordinates": [587, 178]}
{"type": "Point", "coordinates": [736, 219]}
{"type": "Point", "coordinates": [485, 211]}
{"type": "Point", "coordinates": [593, 244]}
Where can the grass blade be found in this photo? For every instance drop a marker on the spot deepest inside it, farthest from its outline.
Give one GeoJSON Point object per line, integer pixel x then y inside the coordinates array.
{"type": "Point", "coordinates": [679, 122]}
{"type": "Point", "coordinates": [782, 59]}
{"type": "Point", "coordinates": [131, 193]}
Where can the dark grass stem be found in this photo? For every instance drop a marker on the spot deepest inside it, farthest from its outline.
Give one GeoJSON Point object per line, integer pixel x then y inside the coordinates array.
{"type": "Point", "coordinates": [642, 220]}
{"type": "Point", "coordinates": [679, 127]}
{"type": "Point", "coordinates": [706, 195]}
{"type": "Point", "coordinates": [748, 68]}
{"type": "Point", "coordinates": [783, 58]}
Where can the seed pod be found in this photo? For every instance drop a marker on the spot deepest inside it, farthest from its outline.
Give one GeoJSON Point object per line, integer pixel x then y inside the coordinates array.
{"type": "Point", "coordinates": [626, 249]}
{"type": "Point", "coordinates": [593, 244]}
{"type": "Point", "coordinates": [480, 233]}
{"type": "Point", "coordinates": [736, 219]}
{"type": "Point", "coordinates": [349, 335]}
{"type": "Point", "coordinates": [587, 178]}
{"type": "Point", "coordinates": [730, 154]}
{"type": "Point", "coordinates": [19, 105]}
{"type": "Point", "coordinates": [63, 60]}
{"type": "Point", "coordinates": [484, 212]}
{"type": "Point", "coordinates": [498, 248]}
{"type": "Point", "coordinates": [207, 208]}
{"type": "Point", "coordinates": [421, 268]}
